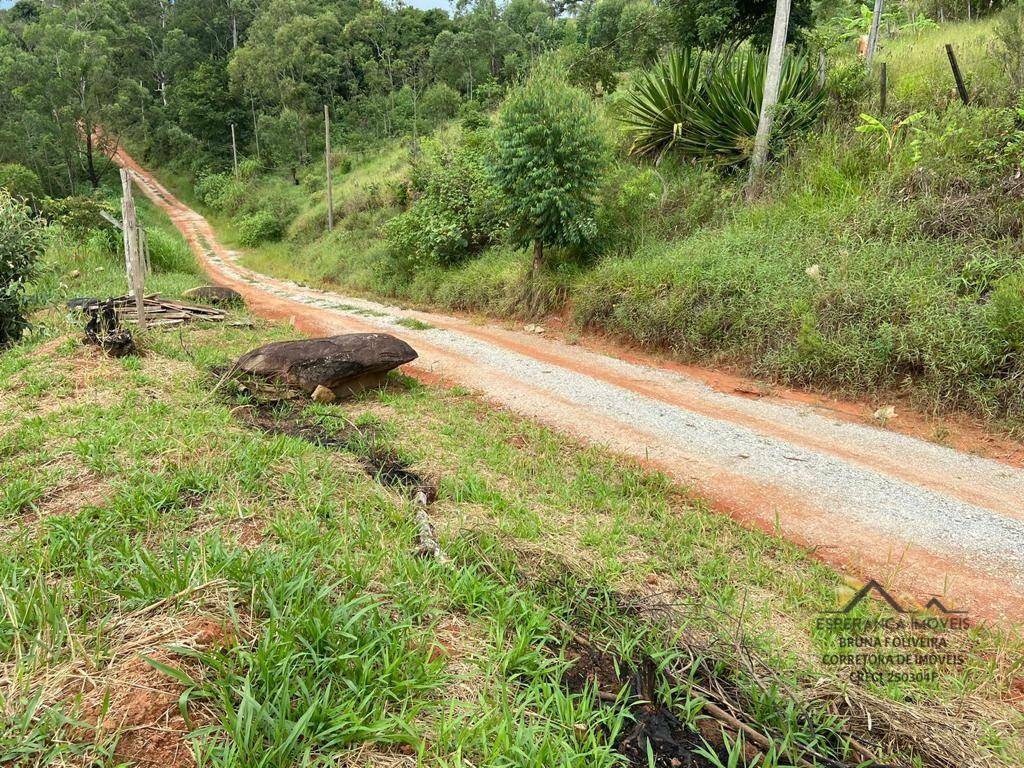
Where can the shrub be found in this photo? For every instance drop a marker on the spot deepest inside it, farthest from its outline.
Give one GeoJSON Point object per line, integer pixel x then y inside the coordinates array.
{"type": "Point", "coordinates": [440, 102]}
{"type": "Point", "coordinates": [221, 191]}
{"type": "Point", "coordinates": [457, 212]}
{"type": "Point", "coordinates": [21, 246]}
{"type": "Point", "coordinates": [551, 153]}
{"type": "Point", "coordinates": [22, 183]}
{"type": "Point", "coordinates": [626, 203]}
{"type": "Point", "coordinates": [79, 216]}
{"type": "Point", "coordinates": [257, 228]}
{"type": "Point", "coordinates": [847, 84]}
{"type": "Point", "coordinates": [595, 70]}
{"type": "Point", "coordinates": [707, 105]}
{"type": "Point", "coordinates": [276, 199]}
{"type": "Point", "coordinates": [250, 168]}
{"type": "Point", "coordinates": [472, 116]}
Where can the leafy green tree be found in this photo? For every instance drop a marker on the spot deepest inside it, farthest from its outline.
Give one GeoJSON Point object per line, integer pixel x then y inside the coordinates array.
{"type": "Point", "coordinates": [629, 31]}
{"type": "Point", "coordinates": [550, 155]}
{"type": "Point", "coordinates": [203, 106]}
{"type": "Point", "coordinates": [286, 138]}
{"type": "Point", "coordinates": [290, 56]}
{"type": "Point", "coordinates": [21, 246]}
{"type": "Point", "coordinates": [711, 23]}
{"type": "Point", "coordinates": [22, 183]}
{"type": "Point", "coordinates": [483, 44]}
{"type": "Point", "coordinates": [75, 70]}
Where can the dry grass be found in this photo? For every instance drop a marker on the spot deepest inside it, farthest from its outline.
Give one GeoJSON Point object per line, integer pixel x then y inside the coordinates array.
{"type": "Point", "coordinates": [109, 692]}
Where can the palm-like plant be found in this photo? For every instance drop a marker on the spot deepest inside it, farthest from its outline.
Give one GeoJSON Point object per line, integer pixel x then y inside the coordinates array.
{"type": "Point", "coordinates": [707, 105]}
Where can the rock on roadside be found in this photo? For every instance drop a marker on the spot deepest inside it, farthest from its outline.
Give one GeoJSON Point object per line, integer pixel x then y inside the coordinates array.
{"type": "Point", "coordinates": [345, 364]}
{"type": "Point", "coordinates": [217, 295]}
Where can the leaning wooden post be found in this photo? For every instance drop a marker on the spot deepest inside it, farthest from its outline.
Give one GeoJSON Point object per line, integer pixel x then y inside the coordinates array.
{"type": "Point", "coordinates": [327, 163]}
{"type": "Point", "coordinates": [960, 87]}
{"type": "Point", "coordinates": [234, 150]}
{"type": "Point", "coordinates": [132, 247]}
{"type": "Point", "coordinates": [883, 87]}
{"type": "Point", "coordinates": [255, 126]}
{"type": "Point", "coordinates": [876, 18]}
{"type": "Point", "coordinates": [773, 77]}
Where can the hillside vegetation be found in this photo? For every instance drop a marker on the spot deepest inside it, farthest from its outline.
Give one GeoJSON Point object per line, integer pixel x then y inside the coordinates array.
{"type": "Point", "coordinates": [483, 164]}
{"type": "Point", "coordinates": [875, 261]}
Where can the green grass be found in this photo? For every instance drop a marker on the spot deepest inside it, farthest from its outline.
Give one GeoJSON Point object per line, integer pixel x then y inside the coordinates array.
{"type": "Point", "coordinates": [919, 72]}
{"type": "Point", "coordinates": [269, 588]}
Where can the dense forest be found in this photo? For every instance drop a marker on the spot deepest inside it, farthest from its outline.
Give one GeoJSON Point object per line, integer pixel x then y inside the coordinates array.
{"type": "Point", "coordinates": [173, 76]}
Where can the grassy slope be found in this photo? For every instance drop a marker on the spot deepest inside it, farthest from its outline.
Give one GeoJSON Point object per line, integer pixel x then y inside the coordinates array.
{"type": "Point", "coordinates": [907, 251]}
{"type": "Point", "coordinates": [145, 518]}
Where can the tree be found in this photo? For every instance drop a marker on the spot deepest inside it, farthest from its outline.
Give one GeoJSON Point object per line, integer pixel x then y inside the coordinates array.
{"type": "Point", "coordinates": [772, 78]}
{"type": "Point", "coordinates": [550, 154]}
{"type": "Point", "coordinates": [710, 23]}
{"type": "Point", "coordinates": [22, 183]}
{"type": "Point", "coordinates": [876, 18]}
{"type": "Point", "coordinates": [75, 69]}
{"type": "Point", "coordinates": [286, 137]}
{"type": "Point", "coordinates": [21, 246]}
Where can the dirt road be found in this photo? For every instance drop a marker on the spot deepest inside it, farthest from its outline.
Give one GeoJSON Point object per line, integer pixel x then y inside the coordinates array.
{"type": "Point", "coordinates": [922, 519]}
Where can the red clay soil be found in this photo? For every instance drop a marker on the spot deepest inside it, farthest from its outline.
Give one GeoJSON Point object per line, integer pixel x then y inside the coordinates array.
{"type": "Point", "coordinates": [909, 565]}
{"type": "Point", "coordinates": [136, 705]}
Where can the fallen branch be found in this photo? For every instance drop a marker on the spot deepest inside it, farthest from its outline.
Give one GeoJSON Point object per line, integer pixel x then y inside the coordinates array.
{"type": "Point", "coordinates": [429, 545]}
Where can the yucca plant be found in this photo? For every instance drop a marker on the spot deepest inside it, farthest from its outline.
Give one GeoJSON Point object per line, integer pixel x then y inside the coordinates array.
{"type": "Point", "coordinates": [707, 105]}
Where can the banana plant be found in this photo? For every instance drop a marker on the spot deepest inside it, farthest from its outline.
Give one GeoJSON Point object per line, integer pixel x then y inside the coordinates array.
{"type": "Point", "coordinates": [889, 135]}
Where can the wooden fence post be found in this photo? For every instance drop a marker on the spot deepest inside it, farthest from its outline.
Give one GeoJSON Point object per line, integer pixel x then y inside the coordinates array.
{"type": "Point", "coordinates": [961, 88]}
{"type": "Point", "coordinates": [327, 163]}
{"type": "Point", "coordinates": [133, 244]}
{"type": "Point", "coordinates": [883, 89]}
{"type": "Point", "coordinates": [234, 150]}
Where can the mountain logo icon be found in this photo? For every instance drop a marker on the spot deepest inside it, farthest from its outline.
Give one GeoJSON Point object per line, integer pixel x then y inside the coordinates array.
{"type": "Point", "coordinates": [867, 589]}
{"type": "Point", "coordinates": [873, 586]}
{"type": "Point", "coordinates": [936, 605]}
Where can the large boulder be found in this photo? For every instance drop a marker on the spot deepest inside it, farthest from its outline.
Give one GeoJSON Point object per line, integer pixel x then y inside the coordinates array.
{"type": "Point", "coordinates": [217, 295]}
{"type": "Point", "coordinates": [344, 364]}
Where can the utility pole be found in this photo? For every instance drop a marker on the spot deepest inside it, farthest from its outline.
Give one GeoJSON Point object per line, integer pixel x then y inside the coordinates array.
{"type": "Point", "coordinates": [876, 18]}
{"type": "Point", "coordinates": [773, 77]}
{"type": "Point", "coordinates": [234, 150]}
{"type": "Point", "coordinates": [327, 163]}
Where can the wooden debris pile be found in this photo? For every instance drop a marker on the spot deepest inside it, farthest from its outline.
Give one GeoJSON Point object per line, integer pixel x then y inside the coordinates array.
{"type": "Point", "coordinates": [158, 312]}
